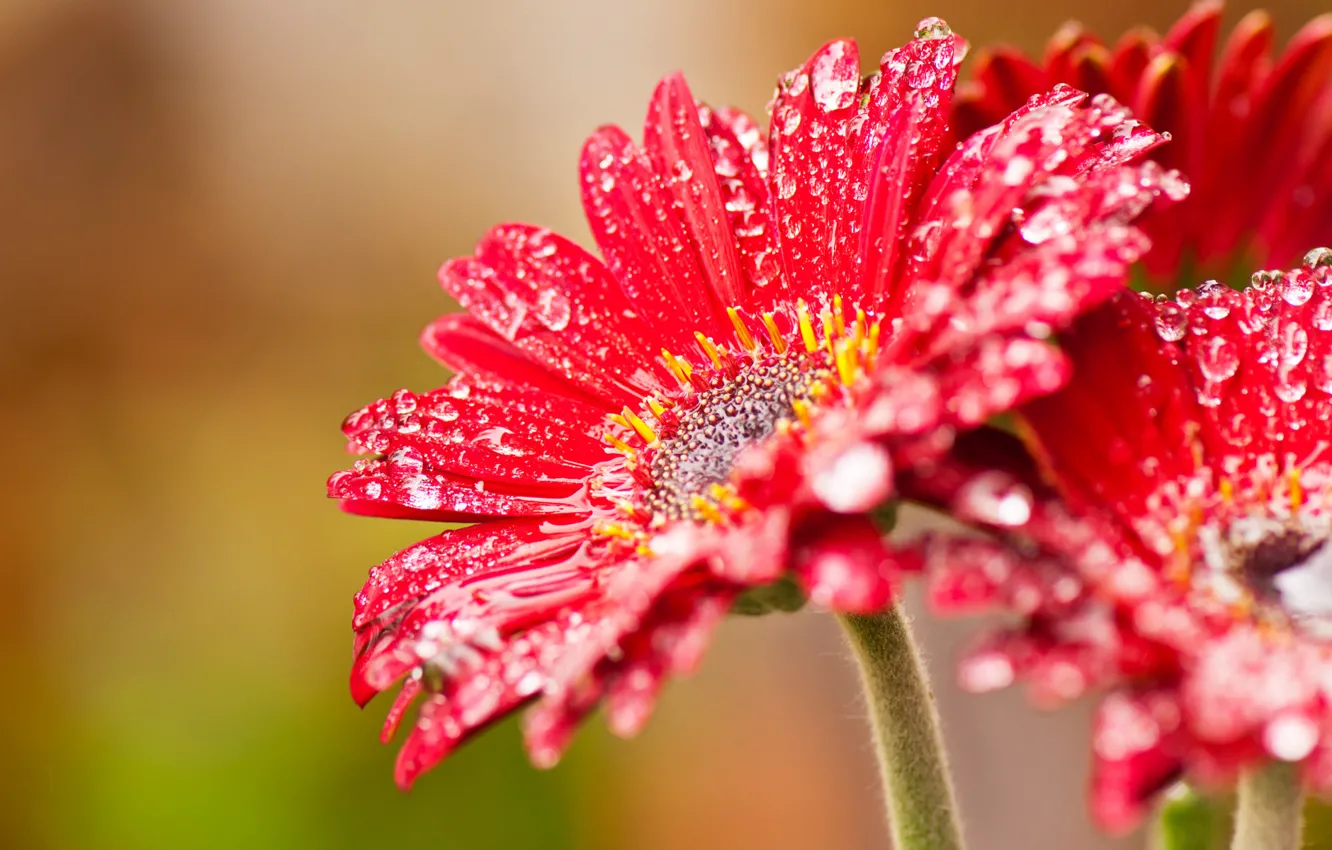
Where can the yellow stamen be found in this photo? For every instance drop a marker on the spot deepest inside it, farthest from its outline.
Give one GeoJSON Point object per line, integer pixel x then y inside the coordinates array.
{"type": "Point", "coordinates": [724, 494]}
{"type": "Point", "coordinates": [1227, 491]}
{"type": "Point", "coordinates": [708, 348]}
{"type": "Point", "coordinates": [860, 327]}
{"type": "Point", "coordinates": [644, 430]}
{"type": "Point", "coordinates": [828, 336]}
{"type": "Point", "coordinates": [626, 507]}
{"type": "Point", "coordinates": [778, 342]}
{"type": "Point", "coordinates": [1180, 562]}
{"type": "Point", "coordinates": [839, 320]}
{"type": "Point", "coordinates": [620, 445]}
{"type": "Point", "coordinates": [741, 332]}
{"type": "Point", "coordinates": [872, 346]}
{"type": "Point", "coordinates": [611, 529]}
{"type": "Point", "coordinates": [1296, 490]}
{"type": "Point", "coordinates": [705, 509]}
{"type": "Point", "coordinates": [801, 409]}
{"type": "Point", "coordinates": [806, 328]}
{"type": "Point", "coordinates": [679, 368]}
{"type": "Point", "coordinates": [846, 362]}
{"type": "Point", "coordinates": [656, 407]}
{"type": "Point", "coordinates": [618, 420]}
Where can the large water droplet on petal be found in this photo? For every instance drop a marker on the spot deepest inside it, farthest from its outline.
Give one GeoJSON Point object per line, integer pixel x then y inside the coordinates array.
{"type": "Point", "coordinates": [1170, 322]}
{"type": "Point", "coordinates": [1218, 359]}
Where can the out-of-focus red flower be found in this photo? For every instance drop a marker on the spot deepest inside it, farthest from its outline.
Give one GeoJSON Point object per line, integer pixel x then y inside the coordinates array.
{"type": "Point", "coordinates": [1252, 131]}
{"type": "Point", "coordinates": [1169, 536]}
{"type": "Point", "coordinates": [775, 326]}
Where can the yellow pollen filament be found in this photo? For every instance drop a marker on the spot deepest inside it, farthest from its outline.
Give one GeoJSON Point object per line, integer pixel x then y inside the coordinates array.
{"type": "Point", "coordinates": [705, 509]}
{"type": "Point", "coordinates": [656, 407]}
{"type": "Point", "coordinates": [644, 430]}
{"type": "Point", "coordinates": [610, 529]}
{"type": "Point", "coordinates": [620, 445]}
{"type": "Point", "coordinates": [1296, 490]}
{"type": "Point", "coordinates": [806, 328]}
{"type": "Point", "coordinates": [626, 507]}
{"type": "Point", "coordinates": [741, 332]}
{"type": "Point", "coordinates": [1227, 491]}
{"type": "Point", "coordinates": [709, 348]}
{"type": "Point", "coordinates": [872, 346]}
{"type": "Point", "coordinates": [1180, 563]}
{"type": "Point", "coordinates": [646, 551]}
{"type": "Point", "coordinates": [724, 494]}
{"type": "Point", "coordinates": [839, 319]}
{"type": "Point", "coordinates": [829, 338]}
{"type": "Point", "coordinates": [859, 335]}
{"type": "Point", "coordinates": [618, 420]}
{"type": "Point", "coordinates": [679, 368]}
{"type": "Point", "coordinates": [846, 362]}
{"type": "Point", "coordinates": [778, 342]}
{"type": "Point", "coordinates": [801, 409]}
{"type": "Point", "coordinates": [1191, 430]}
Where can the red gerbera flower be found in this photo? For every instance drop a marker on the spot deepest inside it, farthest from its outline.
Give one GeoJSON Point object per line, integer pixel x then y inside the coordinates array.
{"type": "Point", "coordinates": [1178, 547]}
{"type": "Point", "coordinates": [1252, 132]}
{"type": "Point", "coordinates": [774, 328]}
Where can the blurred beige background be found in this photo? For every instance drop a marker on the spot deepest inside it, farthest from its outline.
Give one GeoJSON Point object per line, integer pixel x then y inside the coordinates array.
{"type": "Point", "coordinates": [219, 227]}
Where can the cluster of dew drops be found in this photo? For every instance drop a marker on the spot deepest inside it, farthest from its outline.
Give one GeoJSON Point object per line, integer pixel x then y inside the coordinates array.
{"type": "Point", "coordinates": [1214, 319]}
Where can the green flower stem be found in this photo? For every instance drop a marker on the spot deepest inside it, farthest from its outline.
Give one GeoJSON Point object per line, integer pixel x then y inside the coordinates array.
{"type": "Point", "coordinates": [1269, 813]}
{"type": "Point", "coordinates": [922, 809]}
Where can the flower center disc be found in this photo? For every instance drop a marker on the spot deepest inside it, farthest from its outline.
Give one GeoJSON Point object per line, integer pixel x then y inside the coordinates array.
{"type": "Point", "coordinates": [1292, 570]}
{"type": "Point", "coordinates": [701, 450]}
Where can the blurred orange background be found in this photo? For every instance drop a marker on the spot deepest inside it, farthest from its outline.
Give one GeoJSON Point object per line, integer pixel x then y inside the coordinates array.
{"type": "Point", "coordinates": [219, 228]}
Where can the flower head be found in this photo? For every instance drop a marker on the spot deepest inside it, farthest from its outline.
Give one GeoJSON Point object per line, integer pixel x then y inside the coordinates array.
{"type": "Point", "coordinates": [777, 325]}
{"type": "Point", "coordinates": [1252, 131]}
{"type": "Point", "coordinates": [1169, 537]}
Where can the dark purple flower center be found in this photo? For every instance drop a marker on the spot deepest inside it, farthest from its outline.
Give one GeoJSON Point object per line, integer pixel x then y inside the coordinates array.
{"type": "Point", "coordinates": [700, 451]}
{"type": "Point", "coordinates": [1291, 569]}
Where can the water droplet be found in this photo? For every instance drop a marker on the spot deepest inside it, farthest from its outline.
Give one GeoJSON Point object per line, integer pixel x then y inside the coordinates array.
{"type": "Point", "coordinates": [404, 402]}
{"type": "Point", "coordinates": [933, 28]}
{"type": "Point", "coordinates": [833, 87]}
{"type": "Point", "coordinates": [409, 424]}
{"type": "Point", "coordinates": [406, 461]}
{"type": "Point", "coordinates": [998, 499]}
{"type": "Point", "coordinates": [1298, 289]}
{"type": "Point", "coordinates": [1290, 737]}
{"type": "Point", "coordinates": [1170, 322]}
{"type": "Point", "coordinates": [1318, 258]}
{"type": "Point", "coordinates": [444, 410]}
{"type": "Point", "coordinates": [1289, 391]}
{"type": "Point", "coordinates": [1294, 345]}
{"type": "Point", "coordinates": [1218, 359]}
{"type": "Point", "coordinates": [1019, 168]}
{"type": "Point", "coordinates": [553, 310]}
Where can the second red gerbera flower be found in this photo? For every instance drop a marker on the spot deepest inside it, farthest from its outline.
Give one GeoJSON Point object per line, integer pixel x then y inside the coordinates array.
{"type": "Point", "coordinates": [1252, 130]}
{"type": "Point", "coordinates": [1180, 552]}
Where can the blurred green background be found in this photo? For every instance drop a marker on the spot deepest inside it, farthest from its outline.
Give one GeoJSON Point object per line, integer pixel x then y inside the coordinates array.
{"type": "Point", "coordinates": [219, 228]}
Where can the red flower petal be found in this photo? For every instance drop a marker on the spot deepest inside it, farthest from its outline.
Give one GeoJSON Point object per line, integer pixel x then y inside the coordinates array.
{"type": "Point", "coordinates": [843, 564]}
{"type": "Point", "coordinates": [542, 293]}
{"type": "Point", "coordinates": [468, 347]}
{"type": "Point", "coordinates": [673, 139]}
{"type": "Point", "coordinates": [740, 163]}
{"type": "Point", "coordinates": [647, 249]}
{"type": "Point", "coordinates": [810, 128]}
